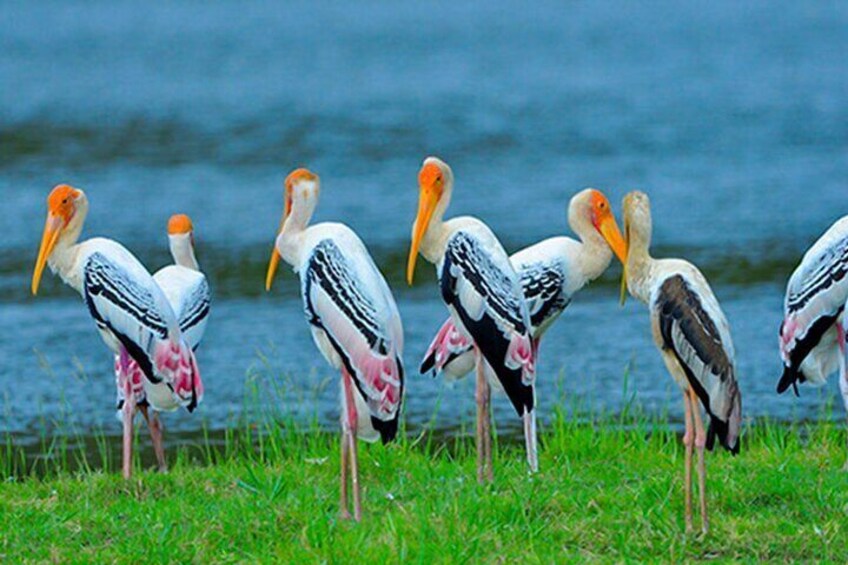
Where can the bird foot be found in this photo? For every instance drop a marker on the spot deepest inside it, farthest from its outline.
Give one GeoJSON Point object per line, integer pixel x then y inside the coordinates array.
{"type": "Point", "coordinates": [344, 514]}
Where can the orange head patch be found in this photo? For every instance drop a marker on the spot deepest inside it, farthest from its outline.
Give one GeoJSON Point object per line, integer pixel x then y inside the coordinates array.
{"type": "Point", "coordinates": [296, 176]}
{"type": "Point", "coordinates": [62, 202]}
{"type": "Point", "coordinates": [179, 224]}
{"type": "Point", "coordinates": [431, 177]}
{"type": "Point", "coordinates": [600, 207]}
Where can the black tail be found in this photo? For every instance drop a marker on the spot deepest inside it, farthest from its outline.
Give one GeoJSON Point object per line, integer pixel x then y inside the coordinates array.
{"type": "Point", "coordinates": [720, 430]}
{"type": "Point", "coordinates": [790, 377]}
{"type": "Point", "coordinates": [428, 363]}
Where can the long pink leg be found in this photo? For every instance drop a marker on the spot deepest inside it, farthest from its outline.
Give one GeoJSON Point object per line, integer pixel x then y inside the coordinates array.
{"type": "Point", "coordinates": [700, 442]}
{"type": "Point", "coordinates": [345, 446]}
{"type": "Point", "coordinates": [352, 418]}
{"type": "Point", "coordinates": [688, 442]}
{"type": "Point", "coordinates": [129, 411]}
{"type": "Point", "coordinates": [487, 429]}
{"type": "Point", "coordinates": [154, 424]}
{"type": "Point", "coordinates": [843, 374]}
{"type": "Point", "coordinates": [480, 396]}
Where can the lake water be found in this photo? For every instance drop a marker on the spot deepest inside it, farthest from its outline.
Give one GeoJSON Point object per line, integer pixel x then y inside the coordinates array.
{"type": "Point", "coordinates": [734, 118]}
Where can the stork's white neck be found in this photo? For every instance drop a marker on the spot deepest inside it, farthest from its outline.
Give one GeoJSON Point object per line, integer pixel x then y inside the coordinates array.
{"type": "Point", "coordinates": [639, 263]}
{"type": "Point", "coordinates": [290, 240]}
{"type": "Point", "coordinates": [182, 250]}
{"type": "Point", "coordinates": [63, 261]}
{"type": "Point", "coordinates": [595, 254]}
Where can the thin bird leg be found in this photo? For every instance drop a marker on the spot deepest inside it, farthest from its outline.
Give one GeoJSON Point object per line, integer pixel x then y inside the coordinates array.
{"type": "Point", "coordinates": [345, 446]}
{"type": "Point", "coordinates": [487, 427]}
{"type": "Point", "coordinates": [688, 442]}
{"type": "Point", "coordinates": [530, 439]}
{"type": "Point", "coordinates": [352, 418]}
{"type": "Point", "coordinates": [156, 428]}
{"type": "Point", "coordinates": [843, 375]}
{"type": "Point", "coordinates": [700, 442]}
{"type": "Point", "coordinates": [481, 428]}
{"type": "Point", "coordinates": [129, 412]}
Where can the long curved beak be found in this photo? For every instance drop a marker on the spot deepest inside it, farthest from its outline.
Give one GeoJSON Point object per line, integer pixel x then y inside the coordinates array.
{"type": "Point", "coordinates": [610, 232]}
{"type": "Point", "coordinates": [272, 268]}
{"type": "Point", "coordinates": [426, 205]}
{"type": "Point", "coordinates": [623, 296]}
{"type": "Point", "coordinates": [275, 255]}
{"type": "Point", "coordinates": [52, 230]}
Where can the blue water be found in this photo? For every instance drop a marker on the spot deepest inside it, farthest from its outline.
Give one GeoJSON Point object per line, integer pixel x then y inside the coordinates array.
{"type": "Point", "coordinates": [734, 118]}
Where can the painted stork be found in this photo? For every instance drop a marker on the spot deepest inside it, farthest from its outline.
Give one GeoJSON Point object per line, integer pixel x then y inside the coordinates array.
{"type": "Point", "coordinates": [130, 310]}
{"type": "Point", "coordinates": [483, 294]}
{"type": "Point", "coordinates": [354, 320]}
{"type": "Point", "coordinates": [812, 335]}
{"type": "Point", "coordinates": [187, 292]}
{"type": "Point", "coordinates": [551, 273]}
{"type": "Point", "coordinates": [693, 336]}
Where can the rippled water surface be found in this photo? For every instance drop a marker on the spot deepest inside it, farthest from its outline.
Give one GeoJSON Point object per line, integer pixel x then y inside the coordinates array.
{"type": "Point", "coordinates": [734, 118]}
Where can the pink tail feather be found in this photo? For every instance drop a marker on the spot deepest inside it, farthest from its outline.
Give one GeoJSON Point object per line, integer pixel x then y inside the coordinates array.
{"type": "Point", "coordinates": [521, 354]}
{"type": "Point", "coordinates": [448, 344]}
{"type": "Point", "coordinates": [176, 362]}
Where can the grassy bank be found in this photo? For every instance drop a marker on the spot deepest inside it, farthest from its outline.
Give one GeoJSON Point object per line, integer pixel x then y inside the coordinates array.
{"type": "Point", "coordinates": [608, 489]}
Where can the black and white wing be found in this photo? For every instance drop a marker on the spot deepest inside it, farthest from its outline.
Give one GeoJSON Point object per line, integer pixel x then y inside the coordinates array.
{"type": "Point", "coordinates": [692, 327]}
{"type": "Point", "coordinates": [482, 290]}
{"type": "Point", "coordinates": [127, 306]}
{"type": "Point", "coordinates": [188, 293]}
{"type": "Point", "coordinates": [355, 321]}
{"type": "Point", "coordinates": [814, 302]}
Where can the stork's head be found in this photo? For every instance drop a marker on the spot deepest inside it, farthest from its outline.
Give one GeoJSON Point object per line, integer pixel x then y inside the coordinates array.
{"type": "Point", "coordinates": [435, 182]}
{"type": "Point", "coordinates": [181, 240]}
{"type": "Point", "coordinates": [590, 211]}
{"type": "Point", "coordinates": [66, 209]}
{"type": "Point", "coordinates": [636, 208]}
{"type": "Point", "coordinates": [302, 188]}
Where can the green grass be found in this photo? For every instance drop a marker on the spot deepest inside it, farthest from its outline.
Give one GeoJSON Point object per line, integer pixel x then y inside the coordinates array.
{"type": "Point", "coordinates": [609, 489]}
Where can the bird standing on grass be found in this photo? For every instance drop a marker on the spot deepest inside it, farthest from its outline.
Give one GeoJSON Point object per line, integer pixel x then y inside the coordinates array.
{"type": "Point", "coordinates": [812, 335]}
{"type": "Point", "coordinates": [551, 273]}
{"type": "Point", "coordinates": [187, 292]}
{"type": "Point", "coordinates": [131, 311]}
{"type": "Point", "coordinates": [483, 294]}
{"type": "Point", "coordinates": [354, 321]}
{"type": "Point", "coordinates": [693, 336]}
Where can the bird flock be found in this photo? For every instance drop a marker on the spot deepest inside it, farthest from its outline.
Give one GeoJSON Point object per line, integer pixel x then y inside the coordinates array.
{"type": "Point", "coordinates": [499, 307]}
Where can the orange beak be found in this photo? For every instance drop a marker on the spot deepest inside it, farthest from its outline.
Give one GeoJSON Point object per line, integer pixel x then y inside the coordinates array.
{"type": "Point", "coordinates": [427, 201]}
{"type": "Point", "coordinates": [623, 291]}
{"type": "Point", "coordinates": [610, 232]}
{"type": "Point", "coordinates": [52, 230]}
{"type": "Point", "coordinates": [275, 255]}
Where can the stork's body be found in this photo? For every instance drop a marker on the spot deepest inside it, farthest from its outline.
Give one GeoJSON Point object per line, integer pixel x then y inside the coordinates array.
{"type": "Point", "coordinates": [812, 335]}
{"type": "Point", "coordinates": [187, 291]}
{"type": "Point", "coordinates": [353, 318]}
{"type": "Point", "coordinates": [693, 337]}
{"type": "Point", "coordinates": [483, 294]}
{"type": "Point", "coordinates": [551, 272]}
{"type": "Point", "coordinates": [131, 311]}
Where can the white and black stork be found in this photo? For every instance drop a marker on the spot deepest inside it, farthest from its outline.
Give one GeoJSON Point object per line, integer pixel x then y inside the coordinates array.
{"type": "Point", "coordinates": [354, 321]}
{"type": "Point", "coordinates": [693, 336]}
{"type": "Point", "coordinates": [483, 294]}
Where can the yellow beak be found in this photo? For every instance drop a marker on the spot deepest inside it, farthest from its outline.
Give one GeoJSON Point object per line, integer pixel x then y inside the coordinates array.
{"type": "Point", "coordinates": [609, 230]}
{"type": "Point", "coordinates": [426, 205]}
{"type": "Point", "coordinates": [52, 230]}
{"type": "Point", "coordinates": [275, 256]}
{"type": "Point", "coordinates": [623, 296]}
